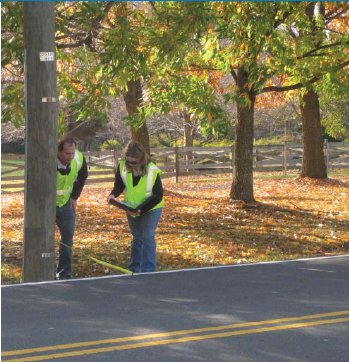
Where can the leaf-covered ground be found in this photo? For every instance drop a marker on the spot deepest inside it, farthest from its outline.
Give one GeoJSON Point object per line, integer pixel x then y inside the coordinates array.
{"type": "Point", "coordinates": [293, 218]}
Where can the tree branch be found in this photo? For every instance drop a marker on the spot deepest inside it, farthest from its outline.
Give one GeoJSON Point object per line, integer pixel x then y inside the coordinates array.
{"type": "Point", "coordinates": [300, 84]}
{"type": "Point", "coordinates": [288, 87]}
{"type": "Point", "coordinates": [321, 47]}
{"type": "Point", "coordinates": [87, 40]}
{"type": "Point", "coordinates": [333, 14]}
{"type": "Point", "coordinates": [233, 73]}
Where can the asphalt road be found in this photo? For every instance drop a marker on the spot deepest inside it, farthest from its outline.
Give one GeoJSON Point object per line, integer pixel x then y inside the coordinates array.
{"type": "Point", "coordinates": [286, 311]}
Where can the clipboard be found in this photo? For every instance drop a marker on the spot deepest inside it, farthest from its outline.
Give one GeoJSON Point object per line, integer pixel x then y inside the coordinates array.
{"type": "Point", "coordinates": [122, 205]}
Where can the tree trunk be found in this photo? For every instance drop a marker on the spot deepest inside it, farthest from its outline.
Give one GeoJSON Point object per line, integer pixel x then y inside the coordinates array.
{"type": "Point", "coordinates": [134, 99]}
{"type": "Point", "coordinates": [141, 135]}
{"type": "Point", "coordinates": [188, 131]}
{"type": "Point", "coordinates": [313, 164]}
{"type": "Point", "coordinates": [242, 186]}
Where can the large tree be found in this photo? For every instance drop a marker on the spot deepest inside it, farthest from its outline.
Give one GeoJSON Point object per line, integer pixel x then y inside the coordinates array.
{"type": "Point", "coordinates": [125, 47]}
{"type": "Point", "coordinates": [246, 35]}
{"type": "Point", "coordinates": [323, 54]}
{"type": "Point", "coordinates": [286, 51]}
{"type": "Point", "coordinates": [100, 56]}
{"type": "Point", "coordinates": [267, 47]}
{"type": "Point", "coordinates": [236, 38]}
{"type": "Point", "coordinates": [109, 47]}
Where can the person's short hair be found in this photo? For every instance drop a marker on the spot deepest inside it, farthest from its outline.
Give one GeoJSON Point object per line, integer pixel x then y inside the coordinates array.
{"type": "Point", "coordinates": [136, 150]}
{"type": "Point", "coordinates": [69, 140]}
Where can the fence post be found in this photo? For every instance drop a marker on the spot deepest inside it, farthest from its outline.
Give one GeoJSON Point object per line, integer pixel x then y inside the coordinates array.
{"type": "Point", "coordinates": [177, 163]}
{"type": "Point", "coordinates": [232, 160]}
{"type": "Point", "coordinates": [285, 158]}
{"type": "Point", "coordinates": [116, 160]}
{"type": "Point", "coordinates": [256, 153]}
{"type": "Point", "coordinates": [327, 154]}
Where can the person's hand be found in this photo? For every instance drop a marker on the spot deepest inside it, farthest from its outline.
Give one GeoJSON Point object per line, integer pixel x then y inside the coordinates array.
{"type": "Point", "coordinates": [73, 204]}
{"type": "Point", "coordinates": [134, 213]}
{"type": "Point", "coordinates": [110, 197]}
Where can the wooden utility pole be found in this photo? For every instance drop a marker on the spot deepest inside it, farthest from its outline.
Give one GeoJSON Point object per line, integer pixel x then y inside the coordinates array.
{"type": "Point", "coordinates": [41, 141]}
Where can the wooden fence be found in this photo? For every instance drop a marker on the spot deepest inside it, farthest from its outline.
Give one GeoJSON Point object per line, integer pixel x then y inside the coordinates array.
{"type": "Point", "coordinates": [180, 161]}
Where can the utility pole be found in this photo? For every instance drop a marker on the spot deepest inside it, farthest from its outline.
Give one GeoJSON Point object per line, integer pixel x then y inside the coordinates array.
{"type": "Point", "coordinates": [41, 141]}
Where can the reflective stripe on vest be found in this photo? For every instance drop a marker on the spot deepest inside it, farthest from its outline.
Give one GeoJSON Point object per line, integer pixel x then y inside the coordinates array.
{"type": "Point", "coordinates": [77, 156]}
{"type": "Point", "coordinates": [65, 182]}
{"type": "Point", "coordinates": [123, 172]}
{"type": "Point", "coordinates": [135, 195]}
{"type": "Point", "coordinates": [150, 178]}
{"type": "Point", "coordinates": [151, 172]}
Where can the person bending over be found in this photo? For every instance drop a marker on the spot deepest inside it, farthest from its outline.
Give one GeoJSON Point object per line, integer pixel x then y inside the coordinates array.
{"type": "Point", "coordinates": [139, 179]}
{"type": "Point", "coordinates": [71, 176]}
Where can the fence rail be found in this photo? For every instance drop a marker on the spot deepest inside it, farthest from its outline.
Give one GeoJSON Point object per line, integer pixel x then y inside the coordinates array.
{"type": "Point", "coordinates": [181, 161]}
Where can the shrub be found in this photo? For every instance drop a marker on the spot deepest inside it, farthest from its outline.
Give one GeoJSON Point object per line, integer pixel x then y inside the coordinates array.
{"type": "Point", "coordinates": [110, 145]}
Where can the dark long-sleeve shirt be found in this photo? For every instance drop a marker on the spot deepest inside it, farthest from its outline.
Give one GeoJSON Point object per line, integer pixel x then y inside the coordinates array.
{"type": "Point", "coordinates": [80, 179]}
{"type": "Point", "coordinates": [150, 202]}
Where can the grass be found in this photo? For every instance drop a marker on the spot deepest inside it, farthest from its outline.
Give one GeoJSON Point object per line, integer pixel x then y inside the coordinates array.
{"type": "Point", "coordinates": [292, 218]}
{"type": "Point", "coordinates": [5, 167]}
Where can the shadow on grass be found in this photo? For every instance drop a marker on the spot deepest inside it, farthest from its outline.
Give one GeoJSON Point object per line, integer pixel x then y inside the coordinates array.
{"type": "Point", "coordinates": [198, 231]}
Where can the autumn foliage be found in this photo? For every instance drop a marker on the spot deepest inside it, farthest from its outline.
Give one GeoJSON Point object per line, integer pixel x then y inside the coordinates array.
{"type": "Point", "coordinates": [293, 218]}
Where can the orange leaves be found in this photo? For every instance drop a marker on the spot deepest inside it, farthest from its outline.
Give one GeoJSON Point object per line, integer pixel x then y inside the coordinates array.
{"type": "Point", "coordinates": [214, 79]}
{"type": "Point", "coordinates": [283, 225]}
{"type": "Point", "coordinates": [200, 226]}
{"type": "Point", "coordinates": [340, 23]}
{"type": "Point", "coordinates": [271, 100]}
{"type": "Point", "coordinates": [12, 217]}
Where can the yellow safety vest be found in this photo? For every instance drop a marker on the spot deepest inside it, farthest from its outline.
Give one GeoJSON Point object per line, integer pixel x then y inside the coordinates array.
{"type": "Point", "coordinates": [65, 183]}
{"type": "Point", "coordinates": [136, 195]}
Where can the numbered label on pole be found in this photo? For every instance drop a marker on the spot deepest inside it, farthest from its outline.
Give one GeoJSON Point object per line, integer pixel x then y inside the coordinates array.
{"type": "Point", "coordinates": [47, 56]}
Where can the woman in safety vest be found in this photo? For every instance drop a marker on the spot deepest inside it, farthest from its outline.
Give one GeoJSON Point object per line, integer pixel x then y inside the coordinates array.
{"type": "Point", "coordinates": [139, 179]}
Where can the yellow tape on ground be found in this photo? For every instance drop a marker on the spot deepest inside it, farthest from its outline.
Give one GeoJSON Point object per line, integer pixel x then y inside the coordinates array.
{"type": "Point", "coordinates": [101, 262]}
{"type": "Point", "coordinates": [108, 265]}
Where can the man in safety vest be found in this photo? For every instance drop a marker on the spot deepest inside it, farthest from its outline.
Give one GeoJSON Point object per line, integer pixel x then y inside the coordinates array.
{"type": "Point", "coordinates": [71, 176]}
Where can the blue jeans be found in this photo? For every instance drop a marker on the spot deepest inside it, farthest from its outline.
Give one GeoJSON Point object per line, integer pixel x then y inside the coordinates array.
{"type": "Point", "coordinates": [65, 220]}
{"type": "Point", "coordinates": [143, 246]}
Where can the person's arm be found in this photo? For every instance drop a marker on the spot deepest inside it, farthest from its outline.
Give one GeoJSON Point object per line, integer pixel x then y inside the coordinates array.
{"type": "Point", "coordinates": [118, 184]}
{"type": "Point", "coordinates": [80, 181]}
{"type": "Point", "coordinates": [154, 199]}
